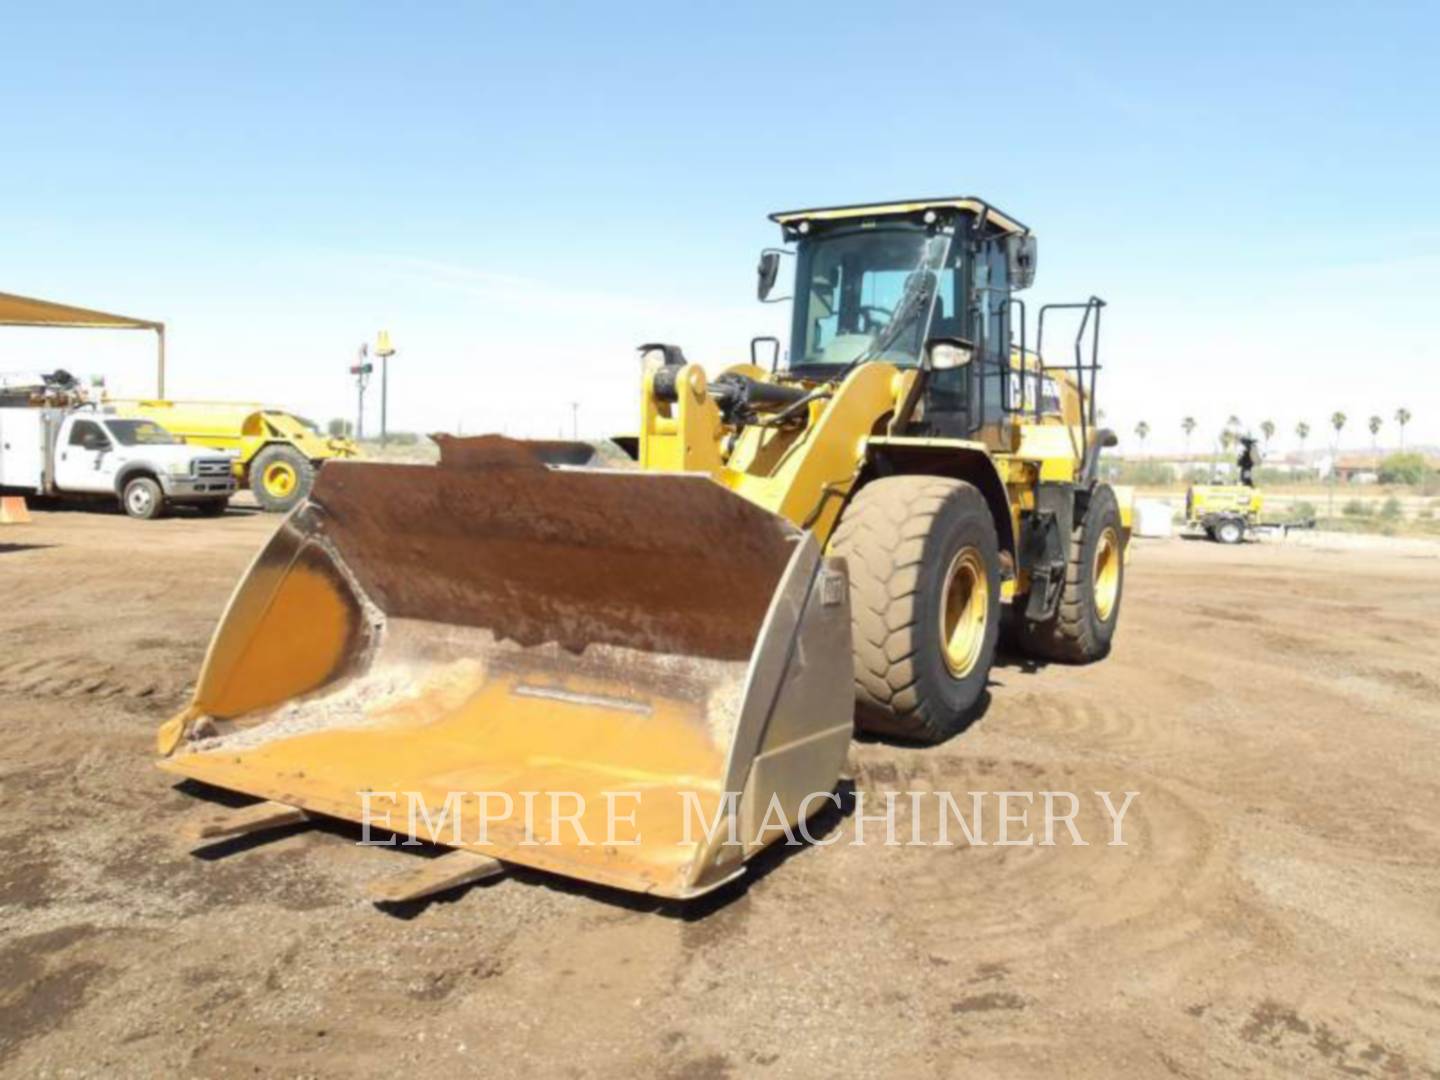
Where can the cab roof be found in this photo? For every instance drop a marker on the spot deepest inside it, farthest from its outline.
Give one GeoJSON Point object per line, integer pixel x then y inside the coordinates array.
{"type": "Point", "coordinates": [1004, 223]}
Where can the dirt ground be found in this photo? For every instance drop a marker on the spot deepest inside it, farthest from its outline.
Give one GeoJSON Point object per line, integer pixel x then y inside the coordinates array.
{"type": "Point", "coordinates": [1276, 908]}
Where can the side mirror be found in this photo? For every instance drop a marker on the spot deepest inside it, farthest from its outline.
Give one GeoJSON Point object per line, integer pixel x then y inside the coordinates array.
{"type": "Point", "coordinates": [1022, 253]}
{"type": "Point", "coordinates": [947, 354]}
{"type": "Point", "coordinates": [766, 273]}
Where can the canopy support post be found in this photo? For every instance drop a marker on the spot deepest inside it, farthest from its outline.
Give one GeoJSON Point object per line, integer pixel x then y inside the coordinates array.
{"type": "Point", "coordinates": [160, 358]}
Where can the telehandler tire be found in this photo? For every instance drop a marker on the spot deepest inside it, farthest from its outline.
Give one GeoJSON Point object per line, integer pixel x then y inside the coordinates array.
{"type": "Point", "coordinates": [924, 567]}
{"type": "Point", "coordinates": [280, 476]}
{"type": "Point", "coordinates": [1083, 625]}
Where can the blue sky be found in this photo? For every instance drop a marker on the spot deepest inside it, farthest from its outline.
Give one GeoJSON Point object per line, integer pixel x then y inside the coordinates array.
{"type": "Point", "coordinates": [522, 193]}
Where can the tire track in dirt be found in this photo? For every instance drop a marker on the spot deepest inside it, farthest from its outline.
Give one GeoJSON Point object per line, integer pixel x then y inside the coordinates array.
{"type": "Point", "coordinates": [1072, 720]}
{"type": "Point", "coordinates": [1169, 860]}
{"type": "Point", "coordinates": [75, 676]}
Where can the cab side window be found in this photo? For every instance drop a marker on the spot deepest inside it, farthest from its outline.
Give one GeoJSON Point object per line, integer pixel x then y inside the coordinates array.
{"type": "Point", "coordinates": [89, 435]}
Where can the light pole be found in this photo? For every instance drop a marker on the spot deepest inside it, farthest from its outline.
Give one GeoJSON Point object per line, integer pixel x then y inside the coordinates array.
{"type": "Point", "coordinates": [361, 369]}
{"type": "Point", "coordinates": [384, 350]}
{"type": "Point", "coordinates": [575, 420]}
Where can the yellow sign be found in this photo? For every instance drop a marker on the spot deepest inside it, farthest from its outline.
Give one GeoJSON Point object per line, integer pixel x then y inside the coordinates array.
{"type": "Point", "coordinates": [382, 344]}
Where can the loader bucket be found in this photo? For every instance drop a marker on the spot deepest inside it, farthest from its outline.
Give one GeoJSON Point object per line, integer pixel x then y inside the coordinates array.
{"type": "Point", "coordinates": [633, 678]}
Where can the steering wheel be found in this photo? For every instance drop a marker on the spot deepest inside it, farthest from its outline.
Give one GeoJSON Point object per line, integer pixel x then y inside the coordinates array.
{"type": "Point", "coordinates": [868, 313]}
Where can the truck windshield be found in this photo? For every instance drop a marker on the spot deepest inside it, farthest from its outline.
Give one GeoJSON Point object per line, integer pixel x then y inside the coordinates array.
{"type": "Point", "coordinates": [868, 295]}
{"type": "Point", "coordinates": [140, 433]}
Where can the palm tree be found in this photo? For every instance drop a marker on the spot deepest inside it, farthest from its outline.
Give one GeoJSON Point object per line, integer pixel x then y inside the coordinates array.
{"type": "Point", "coordinates": [1375, 425]}
{"type": "Point", "coordinates": [1141, 430]}
{"type": "Point", "coordinates": [1188, 426]}
{"type": "Point", "coordinates": [1337, 421]}
{"type": "Point", "coordinates": [1402, 417]}
{"type": "Point", "coordinates": [1302, 432]}
{"type": "Point", "coordinates": [1267, 428]}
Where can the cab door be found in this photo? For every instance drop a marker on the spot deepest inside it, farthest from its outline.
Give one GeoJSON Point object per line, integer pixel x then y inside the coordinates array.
{"type": "Point", "coordinates": [85, 458]}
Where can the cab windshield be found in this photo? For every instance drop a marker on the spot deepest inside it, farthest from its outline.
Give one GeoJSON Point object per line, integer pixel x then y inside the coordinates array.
{"type": "Point", "coordinates": [867, 295]}
{"type": "Point", "coordinates": [140, 433]}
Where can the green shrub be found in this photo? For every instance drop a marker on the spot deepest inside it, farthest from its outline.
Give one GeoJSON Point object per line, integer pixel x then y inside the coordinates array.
{"type": "Point", "coordinates": [1303, 511]}
{"type": "Point", "coordinates": [1266, 476]}
{"type": "Point", "coordinates": [1404, 468]}
{"type": "Point", "coordinates": [1391, 509]}
{"type": "Point", "coordinates": [1144, 473]}
{"type": "Point", "coordinates": [1354, 508]}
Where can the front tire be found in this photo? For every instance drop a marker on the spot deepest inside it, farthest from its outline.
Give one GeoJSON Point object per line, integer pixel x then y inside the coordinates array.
{"type": "Point", "coordinates": [281, 476]}
{"type": "Point", "coordinates": [1230, 531]}
{"type": "Point", "coordinates": [143, 499]}
{"type": "Point", "coordinates": [924, 569]}
{"type": "Point", "coordinates": [1083, 626]}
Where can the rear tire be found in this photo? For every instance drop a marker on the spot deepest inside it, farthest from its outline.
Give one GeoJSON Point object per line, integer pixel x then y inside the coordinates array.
{"type": "Point", "coordinates": [280, 477]}
{"type": "Point", "coordinates": [1230, 531]}
{"type": "Point", "coordinates": [1083, 625]}
{"type": "Point", "coordinates": [924, 569]}
{"type": "Point", "coordinates": [143, 499]}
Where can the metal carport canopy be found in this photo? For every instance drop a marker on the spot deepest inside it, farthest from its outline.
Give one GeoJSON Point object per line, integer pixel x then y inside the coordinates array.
{"type": "Point", "coordinates": [27, 311]}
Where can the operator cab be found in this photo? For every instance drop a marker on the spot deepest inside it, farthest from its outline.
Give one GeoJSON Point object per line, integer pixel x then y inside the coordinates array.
{"type": "Point", "coordinates": [931, 284]}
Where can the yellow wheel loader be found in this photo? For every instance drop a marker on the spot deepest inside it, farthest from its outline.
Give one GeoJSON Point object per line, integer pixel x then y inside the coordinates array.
{"type": "Point", "coordinates": [523, 642]}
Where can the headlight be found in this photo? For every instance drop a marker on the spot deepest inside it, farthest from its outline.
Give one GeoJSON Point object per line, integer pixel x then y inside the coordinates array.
{"type": "Point", "coordinates": [179, 468]}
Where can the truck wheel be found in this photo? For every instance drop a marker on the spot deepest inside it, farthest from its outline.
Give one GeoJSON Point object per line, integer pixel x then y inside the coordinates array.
{"type": "Point", "coordinates": [1083, 625]}
{"type": "Point", "coordinates": [924, 569]}
{"type": "Point", "coordinates": [143, 499]}
{"type": "Point", "coordinates": [280, 476]}
{"type": "Point", "coordinates": [1230, 531]}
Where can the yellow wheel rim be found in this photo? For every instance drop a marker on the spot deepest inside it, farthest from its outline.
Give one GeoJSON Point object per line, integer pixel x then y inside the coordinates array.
{"type": "Point", "coordinates": [1106, 574]}
{"type": "Point", "coordinates": [964, 607]}
{"type": "Point", "coordinates": [279, 479]}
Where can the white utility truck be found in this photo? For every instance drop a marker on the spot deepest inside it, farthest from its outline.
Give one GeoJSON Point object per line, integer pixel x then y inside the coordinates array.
{"type": "Point", "coordinates": [78, 451]}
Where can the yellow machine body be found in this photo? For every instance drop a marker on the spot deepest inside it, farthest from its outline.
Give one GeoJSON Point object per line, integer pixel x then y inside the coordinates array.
{"type": "Point", "coordinates": [806, 476]}
{"type": "Point", "coordinates": [672, 639]}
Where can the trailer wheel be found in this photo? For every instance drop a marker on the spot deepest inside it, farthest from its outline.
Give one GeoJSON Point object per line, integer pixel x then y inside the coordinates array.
{"type": "Point", "coordinates": [280, 476]}
{"type": "Point", "coordinates": [1230, 531]}
{"type": "Point", "coordinates": [924, 570]}
{"type": "Point", "coordinates": [1083, 625]}
{"type": "Point", "coordinates": [143, 499]}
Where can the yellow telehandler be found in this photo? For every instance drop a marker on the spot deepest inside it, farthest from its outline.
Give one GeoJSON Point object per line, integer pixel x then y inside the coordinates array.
{"type": "Point", "coordinates": [828, 540]}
